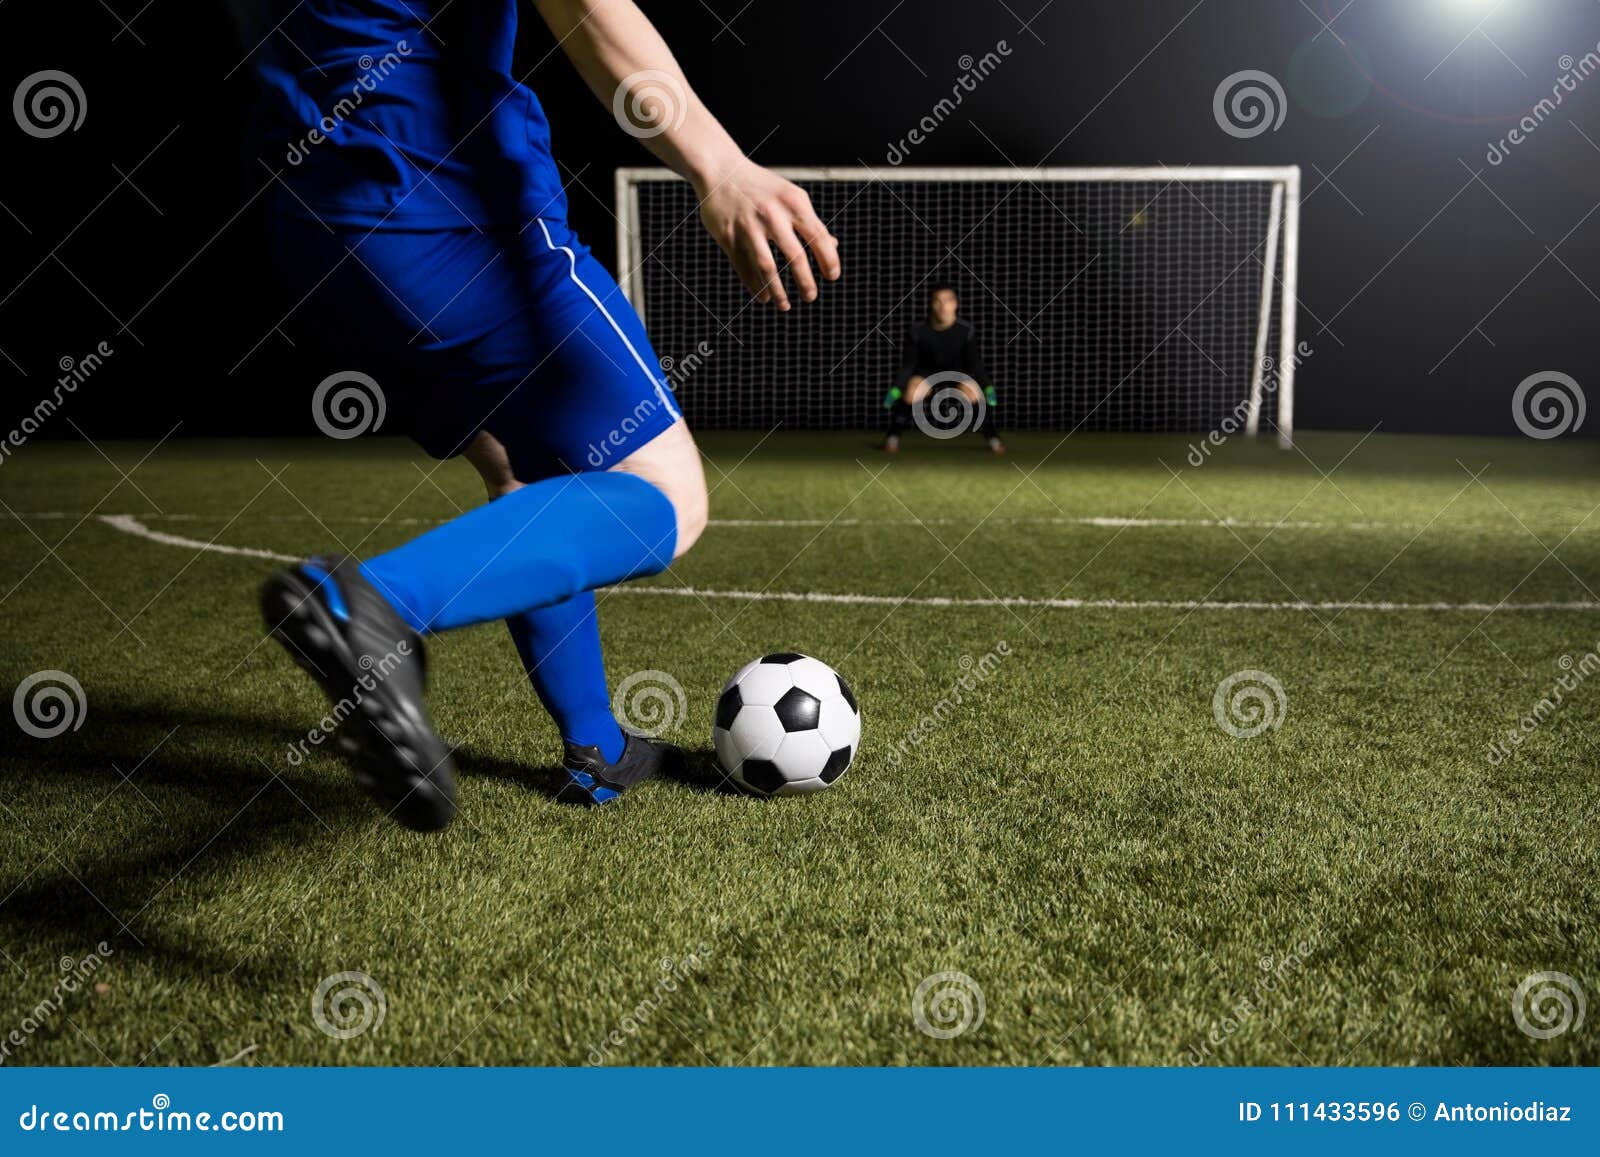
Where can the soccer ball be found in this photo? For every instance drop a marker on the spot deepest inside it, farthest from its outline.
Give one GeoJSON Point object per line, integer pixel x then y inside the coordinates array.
{"type": "Point", "coordinates": [786, 724]}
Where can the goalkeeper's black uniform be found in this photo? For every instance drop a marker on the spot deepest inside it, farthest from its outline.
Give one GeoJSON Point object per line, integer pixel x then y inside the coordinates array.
{"type": "Point", "coordinates": [930, 352]}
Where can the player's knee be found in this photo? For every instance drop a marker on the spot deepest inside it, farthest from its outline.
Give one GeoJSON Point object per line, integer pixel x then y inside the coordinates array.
{"type": "Point", "coordinates": [694, 509]}
{"type": "Point", "coordinates": [687, 491]}
{"type": "Point", "coordinates": [671, 463]}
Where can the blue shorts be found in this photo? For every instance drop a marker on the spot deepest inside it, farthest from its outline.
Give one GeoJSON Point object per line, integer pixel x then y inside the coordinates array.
{"type": "Point", "coordinates": [523, 334]}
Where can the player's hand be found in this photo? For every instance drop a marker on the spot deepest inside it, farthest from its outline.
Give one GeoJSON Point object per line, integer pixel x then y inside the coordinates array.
{"type": "Point", "coordinates": [752, 210]}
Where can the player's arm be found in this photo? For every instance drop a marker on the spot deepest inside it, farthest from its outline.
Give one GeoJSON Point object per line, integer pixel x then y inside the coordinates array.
{"type": "Point", "coordinates": [745, 207]}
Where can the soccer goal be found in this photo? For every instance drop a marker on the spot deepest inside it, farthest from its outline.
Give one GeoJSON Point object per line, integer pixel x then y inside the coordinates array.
{"type": "Point", "coordinates": [1133, 299]}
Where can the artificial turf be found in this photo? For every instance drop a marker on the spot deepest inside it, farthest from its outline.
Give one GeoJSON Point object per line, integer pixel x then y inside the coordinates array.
{"type": "Point", "coordinates": [1126, 882]}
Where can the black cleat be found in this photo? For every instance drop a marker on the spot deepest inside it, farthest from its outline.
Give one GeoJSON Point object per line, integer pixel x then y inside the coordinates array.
{"type": "Point", "coordinates": [591, 781]}
{"type": "Point", "coordinates": [372, 667]}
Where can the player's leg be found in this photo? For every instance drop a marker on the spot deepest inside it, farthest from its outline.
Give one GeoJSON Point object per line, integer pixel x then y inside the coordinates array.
{"type": "Point", "coordinates": [593, 401]}
{"type": "Point", "coordinates": [892, 402]}
{"type": "Point", "coordinates": [898, 403]}
{"type": "Point", "coordinates": [335, 624]}
{"type": "Point", "coordinates": [671, 463]}
{"type": "Point", "coordinates": [559, 644]}
{"type": "Point", "coordinates": [983, 403]}
{"type": "Point", "coordinates": [540, 545]}
{"type": "Point", "coordinates": [530, 340]}
{"type": "Point", "coordinates": [321, 608]}
{"type": "Point", "coordinates": [900, 411]}
{"type": "Point", "coordinates": [619, 491]}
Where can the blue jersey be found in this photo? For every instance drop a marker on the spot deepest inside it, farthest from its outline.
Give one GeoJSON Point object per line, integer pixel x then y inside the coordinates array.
{"type": "Point", "coordinates": [405, 115]}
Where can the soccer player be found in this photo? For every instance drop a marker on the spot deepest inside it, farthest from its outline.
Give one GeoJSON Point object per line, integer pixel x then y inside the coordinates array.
{"type": "Point", "coordinates": [420, 220]}
{"type": "Point", "coordinates": [942, 353]}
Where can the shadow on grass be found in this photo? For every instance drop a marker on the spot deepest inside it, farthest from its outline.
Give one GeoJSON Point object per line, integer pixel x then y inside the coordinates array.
{"type": "Point", "coordinates": [110, 823]}
{"type": "Point", "coordinates": [546, 780]}
{"type": "Point", "coordinates": [167, 793]}
{"type": "Point", "coordinates": [170, 792]}
{"type": "Point", "coordinates": [700, 771]}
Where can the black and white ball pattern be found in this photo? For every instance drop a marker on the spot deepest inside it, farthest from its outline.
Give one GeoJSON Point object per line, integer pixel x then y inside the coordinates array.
{"type": "Point", "coordinates": [786, 724]}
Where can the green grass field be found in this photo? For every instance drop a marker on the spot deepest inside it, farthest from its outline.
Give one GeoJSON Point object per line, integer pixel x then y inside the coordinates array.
{"type": "Point", "coordinates": [1126, 882]}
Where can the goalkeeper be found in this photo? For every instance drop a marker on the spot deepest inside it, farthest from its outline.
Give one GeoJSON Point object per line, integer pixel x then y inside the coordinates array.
{"type": "Point", "coordinates": [940, 359]}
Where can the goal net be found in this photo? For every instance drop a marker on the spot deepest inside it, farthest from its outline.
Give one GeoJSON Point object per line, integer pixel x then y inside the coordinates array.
{"type": "Point", "coordinates": [1157, 299]}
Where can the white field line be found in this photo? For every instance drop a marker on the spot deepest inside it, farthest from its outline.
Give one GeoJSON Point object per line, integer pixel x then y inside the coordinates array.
{"type": "Point", "coordinates": [1106, 604]}
{"type": "Point", "coordinates": [128, 524]}
{"type": "Point", "coordinates": [131, 525]}
{"type": "Point", "coordinates": [1108, 521]}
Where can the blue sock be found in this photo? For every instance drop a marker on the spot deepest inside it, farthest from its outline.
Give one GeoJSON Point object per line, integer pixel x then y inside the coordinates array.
{"type": "Point", "coordinates": [560, 649]}
{"type": "Point", "coordinates": [539, 545]}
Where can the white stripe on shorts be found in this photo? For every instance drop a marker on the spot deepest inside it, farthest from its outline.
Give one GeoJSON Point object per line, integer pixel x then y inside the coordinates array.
{"type": "Point", "coordinates": [572, 262]}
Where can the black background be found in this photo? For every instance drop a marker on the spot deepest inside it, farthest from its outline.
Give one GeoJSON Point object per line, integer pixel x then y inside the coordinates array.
{"type": "Point", "coordinates": [1433, 281]}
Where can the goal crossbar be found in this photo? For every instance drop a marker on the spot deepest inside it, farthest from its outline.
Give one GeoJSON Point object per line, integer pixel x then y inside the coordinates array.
{"type": "Point", "coordinates": [979, 173]}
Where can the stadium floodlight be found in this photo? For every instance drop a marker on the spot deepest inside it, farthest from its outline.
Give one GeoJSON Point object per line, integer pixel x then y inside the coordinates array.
{"type": "Point", "coordinates": [1158, 298]}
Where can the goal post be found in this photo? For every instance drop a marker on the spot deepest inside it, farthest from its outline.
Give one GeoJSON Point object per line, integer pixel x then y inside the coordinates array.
{"type": "Point", "coordinates": [1122, 298]}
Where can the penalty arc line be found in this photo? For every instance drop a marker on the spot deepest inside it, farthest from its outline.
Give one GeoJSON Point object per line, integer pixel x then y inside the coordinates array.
{"type": "Point", "coordinates": [128, 524]}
